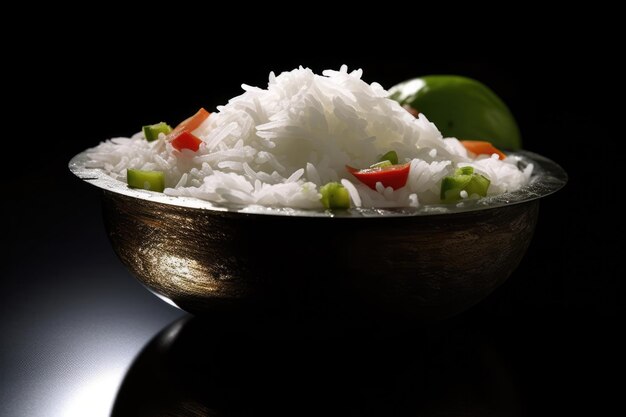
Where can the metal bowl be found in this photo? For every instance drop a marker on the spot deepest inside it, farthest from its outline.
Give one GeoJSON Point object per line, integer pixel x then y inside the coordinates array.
{"type": "Point", "coordinates": [255, 262]}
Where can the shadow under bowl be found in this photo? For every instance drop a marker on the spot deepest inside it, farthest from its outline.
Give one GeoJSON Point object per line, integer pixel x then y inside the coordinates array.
{"type": "Point", "coordinates": [254, 263]}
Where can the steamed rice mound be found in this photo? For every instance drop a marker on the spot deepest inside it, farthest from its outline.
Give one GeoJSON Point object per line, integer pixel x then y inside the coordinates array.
{"type": "Point", "coordinates": [277, 146]}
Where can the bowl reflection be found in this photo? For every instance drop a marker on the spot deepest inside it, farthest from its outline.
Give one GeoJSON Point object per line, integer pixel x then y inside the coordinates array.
{"type": "Point", "coordinates": [195, 367]}
{"type": "Point", "coordinates": [361, 264]}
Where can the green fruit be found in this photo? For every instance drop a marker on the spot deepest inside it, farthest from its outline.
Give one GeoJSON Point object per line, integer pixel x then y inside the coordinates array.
{"type": "Point", "coordinates": [462, 108]}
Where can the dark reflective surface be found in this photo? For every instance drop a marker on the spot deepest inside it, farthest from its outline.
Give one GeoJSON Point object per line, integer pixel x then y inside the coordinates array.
{"type": "Point", "coordinates": [199, 367]}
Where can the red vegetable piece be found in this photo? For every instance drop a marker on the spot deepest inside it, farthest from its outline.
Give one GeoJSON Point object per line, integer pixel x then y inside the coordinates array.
{"type": "Point", "coordinates": [394, 176]}
{"type": "Point", "coordinates": [186, 140]}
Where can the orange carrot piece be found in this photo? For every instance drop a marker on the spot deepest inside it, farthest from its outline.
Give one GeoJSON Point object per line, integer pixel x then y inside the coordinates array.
{"type": "Point", "coordinates": [190, 124]}
{"type": "Point", "coordinates": [480, 147]}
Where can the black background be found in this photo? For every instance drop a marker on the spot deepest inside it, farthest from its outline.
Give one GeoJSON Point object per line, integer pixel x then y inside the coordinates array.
{"type": "Point", "coordinates": [71, 312]}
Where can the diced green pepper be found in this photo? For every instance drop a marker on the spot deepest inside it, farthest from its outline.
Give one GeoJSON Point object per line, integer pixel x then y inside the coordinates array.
{"type": "Point", "coordinates": [146, 180]}
{"type": "Point", "coordinates": [390, 156]}
{"type": "Point", "coordinates": [335, 196]}
{"type": "Point", "coordinates": [467, 170]}
{"type": "Point", "coordinates": [463, 179]}
{"type": "Point", "coordinates": [451, 187]}
{"type": "Point", "coordinates": [151, 132]}
{"type": "Point", "coordinates": [478, 185]}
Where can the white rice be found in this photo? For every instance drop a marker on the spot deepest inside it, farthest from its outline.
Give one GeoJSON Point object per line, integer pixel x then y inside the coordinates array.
{"type": "Point", "coordinates": [276, 147]}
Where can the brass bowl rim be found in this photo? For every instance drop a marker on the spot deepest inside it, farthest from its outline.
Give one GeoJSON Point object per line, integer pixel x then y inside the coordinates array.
{"type": "Point", "coordinates": [547, 178]}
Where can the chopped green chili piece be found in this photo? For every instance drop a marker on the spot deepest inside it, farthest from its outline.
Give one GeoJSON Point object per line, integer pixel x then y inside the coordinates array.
{"type": "Point", "coordinates": [463, 179]}
{"type": "Point", "coordinates": [335, 196]}
{"type": "Point", "coordinates": [151, 132]}
{"type": "Point", "coordinates": [146, 180]}
{"type": "Point", "coordinates": [464, 171]}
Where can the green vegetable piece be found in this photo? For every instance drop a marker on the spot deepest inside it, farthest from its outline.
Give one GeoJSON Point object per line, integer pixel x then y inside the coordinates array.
{"type": "Point", "coordinates": [462, 108]}
{"type": "Point", "coordinates": [151, 132]}
{"type": "Point", "coordinates": [335, 196]}
{"type": "Point", "coordinates": [478, 185]}
{"type": "Point", "coordinates": [467, 170]}
{"type": "Point", "coordinates": [146, 180]}
{"type": "Point", "coordinates": [451, 187]}
{"type": "Point", "coordinates": [469, 182]}
{"type": "Point", "coordinates": [381, 164]}
{"type": "Point", "coordinates": [390, 156]}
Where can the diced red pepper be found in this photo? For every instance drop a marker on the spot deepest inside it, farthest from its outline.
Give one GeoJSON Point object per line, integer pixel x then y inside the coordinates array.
{"type": "Point", "coordinates": [182, 138]}
{"type": "Point", "coordinates": [186, 140]}
{"type": "Point", "coordinates": [394, 176]}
